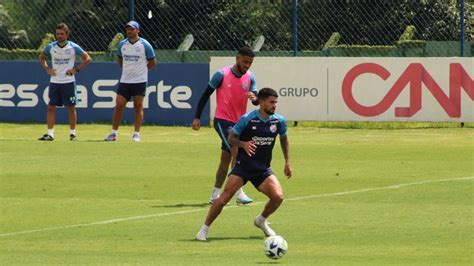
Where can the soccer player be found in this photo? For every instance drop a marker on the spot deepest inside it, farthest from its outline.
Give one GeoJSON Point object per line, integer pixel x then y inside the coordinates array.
{"type": "Point", "coordinates": [62, 86]}
{"type": "Point", "coordinates": [255, 135]}
{"type": "Point", "coordinates": [135, 57]}
{"type": "Point", "coordinates": [234, 85]}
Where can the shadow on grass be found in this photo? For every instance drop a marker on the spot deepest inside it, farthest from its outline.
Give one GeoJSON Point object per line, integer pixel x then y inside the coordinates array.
{"type": "Point", "coordinates": [211, 239]}
{"type": "Point", "coordinates": [183, 205]}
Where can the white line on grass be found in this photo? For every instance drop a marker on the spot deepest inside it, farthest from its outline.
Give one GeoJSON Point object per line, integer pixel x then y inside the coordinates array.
{"type": "Point", "coordinates": [380, 188]}
{"type": "Point", "coordinates": [141, 217]}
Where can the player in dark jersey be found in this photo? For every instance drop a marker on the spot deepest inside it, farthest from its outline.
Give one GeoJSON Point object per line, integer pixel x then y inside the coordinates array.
{"type": "Point", "coordinates": [255, 135]}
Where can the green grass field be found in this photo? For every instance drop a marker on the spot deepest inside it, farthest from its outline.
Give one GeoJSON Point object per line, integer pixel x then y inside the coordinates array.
{"type": "Point", "coordinates": [358, 196]}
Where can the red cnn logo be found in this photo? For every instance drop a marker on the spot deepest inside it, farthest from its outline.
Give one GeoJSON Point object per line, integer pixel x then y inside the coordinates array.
{"type": "Point", "coordinates": [415, 75]}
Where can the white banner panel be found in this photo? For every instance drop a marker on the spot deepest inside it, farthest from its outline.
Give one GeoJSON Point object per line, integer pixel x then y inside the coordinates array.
{"type": "Point", "coordinates": [366, 89]}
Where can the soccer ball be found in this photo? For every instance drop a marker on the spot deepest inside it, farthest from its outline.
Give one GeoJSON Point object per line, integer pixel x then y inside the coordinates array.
{"type": "Point", "coordinates": [275, 247]}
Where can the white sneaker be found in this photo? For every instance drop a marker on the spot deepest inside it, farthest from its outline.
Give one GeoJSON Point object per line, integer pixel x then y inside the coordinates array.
{"type": "Point", "coordinates": [111, 137]}
{"type": "Point", "coordinates": [201, 235]}
{"type": "Point", "coordinates": [136, 137]}
{"type": "Point", "coordinates": [243, 199]}
{"type": "Point", "coordinates": [211, 200]}
{"type": "Point", "coordinates": [265, 228]}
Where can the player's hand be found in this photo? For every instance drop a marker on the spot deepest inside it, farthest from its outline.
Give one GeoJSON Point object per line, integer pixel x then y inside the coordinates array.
{"type": "Point", "coordinates": [196, 124]}
{"type": "Point", "coordinates": [51, 71]}
{"type": "Point", "coordinates": [249, 147]}
{"type": "Point", "coordinates": [288, 170]}
{"type": "Point", "coordinates": [71, 72]}
{"type": "Point", "coordinates": [251, 96]}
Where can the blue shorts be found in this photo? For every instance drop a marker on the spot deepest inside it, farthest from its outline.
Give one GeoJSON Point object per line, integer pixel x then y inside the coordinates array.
{"type": "Point", "coordinates": [256, 177]}
{"type": "Point", "coordinates": [223, 128]}
{"type": "Point", "coordinates": [129, 90]}
{"type": "Point", "coordinates": [62, 94]}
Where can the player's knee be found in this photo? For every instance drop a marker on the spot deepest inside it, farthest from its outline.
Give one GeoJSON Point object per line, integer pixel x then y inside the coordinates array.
{"type": "Point", "coordinates": [51, 108]}
{"type": "Point", "coordinates": [119, 106]}
{"type": "Point", "coordinates": [278, 198]}
{"type": "Point", "coordinates": [223, 169]}
{"type": "Point", "coordinates": [138, 107]}
{"type": "Point", "coordinates": [223, 199]}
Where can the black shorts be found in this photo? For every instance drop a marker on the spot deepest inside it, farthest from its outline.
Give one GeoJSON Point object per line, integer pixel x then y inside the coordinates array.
{"type": "Point", "coordinates": [62, 94]}
{"type": "Point", "coordinates": [129, 90]}
{"type": "Point", "coordinates": [223, 128]}
{"type": "Point", "coordinates": [255, 177]}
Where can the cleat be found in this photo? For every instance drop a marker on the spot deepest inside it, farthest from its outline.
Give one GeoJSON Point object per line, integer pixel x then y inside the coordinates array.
{"type": "Point", "coordinates": [211, 200]}
{"type": "Point", "coordinates": [136, 137]}
{"type": "Point", "coordinates": [265, 228]}
{"type": "Point", "coordinates": [46, 137]}
{"type": "Point", "coordinates": [244, 200]}
{"type": "Point", "coordinates": [111, 137]}
{"type": "Point", "coordinates": [72, 137]}
{"type": "Point", "coordinates": [201, 236]}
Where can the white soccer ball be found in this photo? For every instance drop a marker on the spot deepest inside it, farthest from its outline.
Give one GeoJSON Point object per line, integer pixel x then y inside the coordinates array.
{"type": "Point", "coordinates": [275, 247]}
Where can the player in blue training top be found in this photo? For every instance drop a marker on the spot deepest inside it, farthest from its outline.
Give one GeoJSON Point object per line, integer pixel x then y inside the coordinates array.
{"type": "Point", "coordinates": [255, 135]}
{"type": "Point", "coordinates": [135, 57]}
{"type": "Point", "coordinates": [62, 86]}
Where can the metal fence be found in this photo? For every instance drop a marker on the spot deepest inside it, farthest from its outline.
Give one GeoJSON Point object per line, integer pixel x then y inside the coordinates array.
{"type": "Point", "coordinates": [191, 31]}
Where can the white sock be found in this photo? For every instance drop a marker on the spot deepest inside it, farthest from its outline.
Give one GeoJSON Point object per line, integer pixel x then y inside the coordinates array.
{"type": "Point", "coordinates": [51, 132]}
{"type": "Point", "coordinates": [114, 131]}
{"type": "Point", "coordinates": [260, 219]}
{"type": "Point", "coordinates": [72, 131]}
{"type": "Point", "coordinates": [205, 228]}
{"type": "Point", "coordinates": [215, 192]}
{"type": "Point", "coordinates": [240, 193]}
{"type": "Point", "coordinates": [136, 133]}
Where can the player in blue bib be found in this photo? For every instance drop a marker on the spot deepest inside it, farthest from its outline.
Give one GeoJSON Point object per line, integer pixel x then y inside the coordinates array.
{"type": "Point", "coordinates": [255, 134]}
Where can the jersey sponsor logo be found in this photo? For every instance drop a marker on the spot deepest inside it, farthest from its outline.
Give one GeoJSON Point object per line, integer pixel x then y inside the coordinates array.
{"type": "Point", "coordinates": [261, 141]}
{"type": "Point", "coordinates": [255, 120]}
{"type": "Point", "coordinates": [131, 58]}
{"type": "Point", "coordinates": [61, 61]}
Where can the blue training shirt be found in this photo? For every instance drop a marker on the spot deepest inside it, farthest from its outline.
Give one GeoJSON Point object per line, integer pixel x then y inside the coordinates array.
{"type": "Point", "coordinates": [252, 126]}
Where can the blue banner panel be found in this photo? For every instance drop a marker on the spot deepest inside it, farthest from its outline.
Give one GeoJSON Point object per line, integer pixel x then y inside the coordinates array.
{"type": "Point", "coordinates": [172, 94]}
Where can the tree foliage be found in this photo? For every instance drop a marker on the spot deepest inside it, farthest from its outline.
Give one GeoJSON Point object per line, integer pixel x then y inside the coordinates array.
{"type": "Point", "coordinates": [227, 25]}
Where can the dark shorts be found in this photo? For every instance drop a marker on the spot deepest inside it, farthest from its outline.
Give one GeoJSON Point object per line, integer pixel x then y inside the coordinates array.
{"type": "Point", "coordinates": [255, 177]}
{"type": "Point", "coordinates": [62, 94]}
{"type": "Point", "coordinates": [129, 90]}
{"type": "Point", "coordinates": [223, 128]}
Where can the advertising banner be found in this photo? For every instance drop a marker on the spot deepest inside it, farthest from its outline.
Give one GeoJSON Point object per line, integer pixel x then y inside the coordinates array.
{"type": "Point", "coordinates": [366, 89]}
{"type": "Point", "coordinates": [172, 94]}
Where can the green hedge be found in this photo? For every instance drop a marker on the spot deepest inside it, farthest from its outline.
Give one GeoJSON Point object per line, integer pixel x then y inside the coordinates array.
{"type": "Point", "coordinates": [409, 48]}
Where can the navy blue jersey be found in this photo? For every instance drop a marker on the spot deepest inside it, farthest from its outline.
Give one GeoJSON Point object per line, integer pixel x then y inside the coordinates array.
{"type": "Point", "coordinates": [252, 126]}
